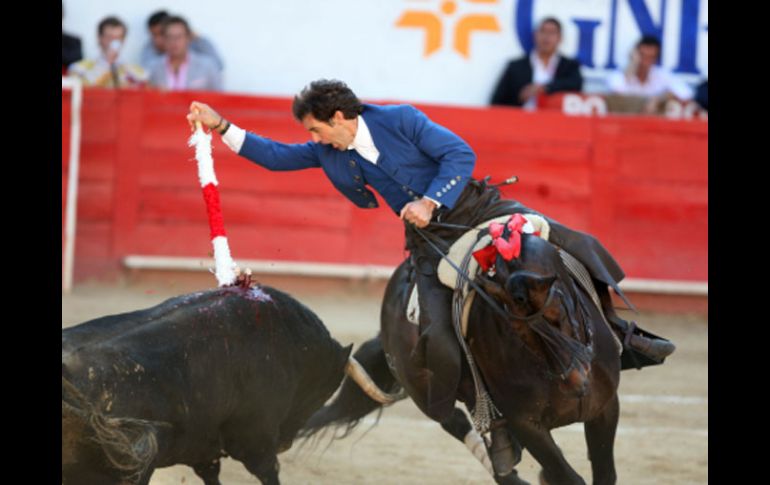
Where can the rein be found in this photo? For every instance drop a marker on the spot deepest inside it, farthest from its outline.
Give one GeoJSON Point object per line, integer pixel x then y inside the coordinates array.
{"type": "Point", "coordinates": [555, 342]}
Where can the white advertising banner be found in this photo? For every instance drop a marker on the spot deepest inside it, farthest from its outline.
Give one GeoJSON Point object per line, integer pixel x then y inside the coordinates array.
{"type": "Point", "coordinates": [429, 51]}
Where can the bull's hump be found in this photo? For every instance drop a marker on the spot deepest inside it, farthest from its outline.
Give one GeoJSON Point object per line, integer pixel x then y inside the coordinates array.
{"type": "Point", "coordinates": [255, 293]}
{"type": "Point", "coordinates": [173, 314]}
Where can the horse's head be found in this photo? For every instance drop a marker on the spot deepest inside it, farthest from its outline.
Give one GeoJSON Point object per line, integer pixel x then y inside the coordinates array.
{"type": "Point", "coordinates": [536, 293]}
{"type": "Point", "coordinates": [524, 284]}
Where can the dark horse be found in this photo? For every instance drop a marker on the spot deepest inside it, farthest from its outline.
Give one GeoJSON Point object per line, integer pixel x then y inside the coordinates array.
{"type": "Point", "coordinates": [548, 360]}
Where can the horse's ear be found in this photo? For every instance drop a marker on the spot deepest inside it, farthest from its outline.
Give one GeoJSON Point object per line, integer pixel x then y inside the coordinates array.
{"type": "Point", "coordinates": [492, 288]}
{"type": "Point", "coordinates": [543, 283]}
{"type": "Point", "coordinates": [527, 281]}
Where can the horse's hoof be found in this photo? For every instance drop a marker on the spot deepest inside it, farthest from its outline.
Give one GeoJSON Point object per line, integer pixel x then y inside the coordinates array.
{"type": "Point", "coordinates": [510, 479]}
{"type": "Point", "coordinates": [543, 481]}
{"type": "Point", "coordinates": [502, 451]}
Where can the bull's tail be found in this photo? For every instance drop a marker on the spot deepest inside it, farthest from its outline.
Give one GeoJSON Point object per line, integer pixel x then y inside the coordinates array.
{"type": "Point", "coordinates": [129, 444]}
{"type": "Point", "coordinates": [352, 402]}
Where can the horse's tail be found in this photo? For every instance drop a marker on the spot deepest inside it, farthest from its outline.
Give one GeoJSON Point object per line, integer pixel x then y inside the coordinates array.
{"type": "Point", "coordinates": [129, 444]}
{"type": "Point", "coordinates": [352, 403]}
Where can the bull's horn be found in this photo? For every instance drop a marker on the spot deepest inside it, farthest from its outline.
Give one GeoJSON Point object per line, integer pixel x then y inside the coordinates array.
{"type": "Point", "coordinates": [357, 372]}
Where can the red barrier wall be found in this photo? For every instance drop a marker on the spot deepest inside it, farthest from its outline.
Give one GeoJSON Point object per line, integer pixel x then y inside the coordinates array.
{"type": "Point", "coordinates": [638, 184]}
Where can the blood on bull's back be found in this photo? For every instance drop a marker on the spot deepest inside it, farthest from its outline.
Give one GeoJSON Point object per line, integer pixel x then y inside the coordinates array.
{"type": "Point", "coordinates": [234, 371]}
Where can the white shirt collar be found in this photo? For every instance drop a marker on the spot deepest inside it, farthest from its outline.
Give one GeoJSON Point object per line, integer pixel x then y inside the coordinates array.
{"type": "Point", "coordinates": [363, 142]}
{"type": "Point", "coordinates": [541, 74]}
{"type": "Point", "coordinates": [537, 64]}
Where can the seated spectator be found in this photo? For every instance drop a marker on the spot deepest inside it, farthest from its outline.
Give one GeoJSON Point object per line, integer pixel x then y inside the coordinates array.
{"type": "Point", "coordinates": [154, 48]}
{"type": "Point", "coordinates": [179, 68]}
{"type": "Point", "coordinates": [643, 78]}
{"type": "Point", "coordinates": [107, 70]}
{"type": "Point", "coordinates": [702, 95]}
{"type": "Point", "coordinates": [542, 71]}
{"type": "Point", "coordinates": [71, 50]}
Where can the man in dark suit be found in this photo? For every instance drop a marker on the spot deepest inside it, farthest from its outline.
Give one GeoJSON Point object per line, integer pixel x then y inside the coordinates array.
{"type": "Point", "coordinates": [702, 95]}
{"type": "Point", "coordinates": [71, 50]}
{"type": "Point", "coordinates": [542, 71]}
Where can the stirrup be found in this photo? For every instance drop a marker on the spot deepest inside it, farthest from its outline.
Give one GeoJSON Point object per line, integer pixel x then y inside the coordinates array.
{"type": "Point", "coordinates": [656, 349]}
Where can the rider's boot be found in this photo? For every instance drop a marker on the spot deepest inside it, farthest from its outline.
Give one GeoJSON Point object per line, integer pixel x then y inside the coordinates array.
{"type": "Point", "coordinates": [649, 345]}
{"type": "Point", "coordinates": [437, 349]}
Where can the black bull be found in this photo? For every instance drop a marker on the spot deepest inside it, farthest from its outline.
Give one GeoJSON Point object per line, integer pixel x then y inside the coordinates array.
{"type": "Point", "coordinates": [228, 372]}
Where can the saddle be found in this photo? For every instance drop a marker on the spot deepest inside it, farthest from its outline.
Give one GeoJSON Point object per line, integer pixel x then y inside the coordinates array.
{"type": "Point", "coordinates": [470, 242]}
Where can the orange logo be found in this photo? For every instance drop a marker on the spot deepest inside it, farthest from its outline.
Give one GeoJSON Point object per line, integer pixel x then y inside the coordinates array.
{"type": "Point", "coordinates": [464, 26]}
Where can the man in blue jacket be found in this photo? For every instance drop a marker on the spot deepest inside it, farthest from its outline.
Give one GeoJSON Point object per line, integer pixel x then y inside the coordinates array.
{"type": "Point", "coordinates": [417, 166]}
{"type": "Point", "coordinates": [422, 170]}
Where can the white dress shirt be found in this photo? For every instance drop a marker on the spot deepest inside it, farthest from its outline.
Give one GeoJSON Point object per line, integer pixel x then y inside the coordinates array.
{"type": "Point", "coordinates": [234, 138]}
{"type": "Point", "coordinates": [659, 81]}
{"type": "Point", "coordinates": [541, 74]}
{"type": "Point", "coordinates": [362, 143]}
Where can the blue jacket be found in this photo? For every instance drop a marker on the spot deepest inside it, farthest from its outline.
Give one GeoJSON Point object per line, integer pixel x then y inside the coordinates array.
{"type": "Point", "coordinates": [422, 157]}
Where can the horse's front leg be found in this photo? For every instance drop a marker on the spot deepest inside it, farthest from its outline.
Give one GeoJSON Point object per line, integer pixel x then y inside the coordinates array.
{"type": "Point", "coordinates": [600, 438]}
{"type": "Point", "coordinates": [460, 427]}
{"type": "Point", "coordinates": [539, 442]}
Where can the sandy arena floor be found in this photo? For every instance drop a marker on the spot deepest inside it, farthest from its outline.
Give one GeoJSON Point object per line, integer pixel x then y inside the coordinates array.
{"type": "Point", "coordinates": [662, 436]}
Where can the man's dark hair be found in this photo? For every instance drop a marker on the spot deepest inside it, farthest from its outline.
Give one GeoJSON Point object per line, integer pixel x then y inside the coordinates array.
{"type": "Point", "coordinates": [175, 19]}
{"type": "Point", "coordinates": [322, 98]}
{"type": "Point", "coordinates": [649, 40]}
{"type": "Point", "coordinates": [553, 20]}
{"type": "Point", "coordinates": [111, 21]}
{"type": "Point", "coordinates": [157, 18]}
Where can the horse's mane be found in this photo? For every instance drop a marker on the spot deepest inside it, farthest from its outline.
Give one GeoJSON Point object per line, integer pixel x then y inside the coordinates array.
{"type": "Point", "coordinates": [563, 353]}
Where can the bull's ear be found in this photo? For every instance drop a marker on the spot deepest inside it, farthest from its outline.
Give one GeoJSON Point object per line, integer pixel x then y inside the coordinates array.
{"type": "Point", "coordinates": [492, 288]}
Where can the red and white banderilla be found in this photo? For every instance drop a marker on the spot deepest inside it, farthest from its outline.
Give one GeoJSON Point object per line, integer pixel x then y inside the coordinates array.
{"type": "Point", "coordinates": [226, 269]}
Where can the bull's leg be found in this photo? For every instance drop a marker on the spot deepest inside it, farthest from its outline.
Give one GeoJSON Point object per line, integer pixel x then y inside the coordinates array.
{"type": "Point", "coordinates": [255, 444]}
{"type": "Point", "coordinates": [265, 467]}
{"type": "Point", "coordinates": [600, 438]}
{"type": "Point", "coordinates": [539, 442]}
{"type": "Point", "coordinates": [84, 476]}
{"type": "Point", "coordinates": [145, 478]}
{"type": "Point", "coordinates": [208, 471]}
{"type": "Point", "coordinates": [458, 426]}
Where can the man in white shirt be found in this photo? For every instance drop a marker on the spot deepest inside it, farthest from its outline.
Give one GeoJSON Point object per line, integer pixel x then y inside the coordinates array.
{"type": "Point", "coordinates": [107, 70]}
{"type": "Point", "coordinates": [643, 78]}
